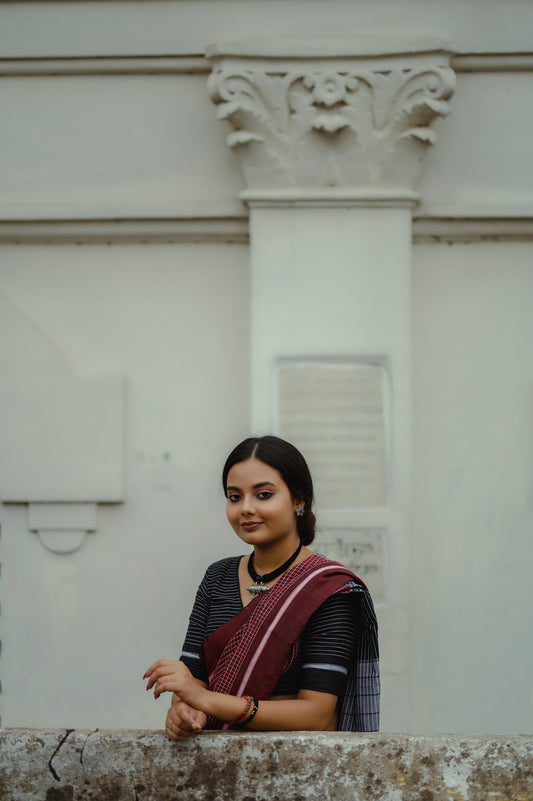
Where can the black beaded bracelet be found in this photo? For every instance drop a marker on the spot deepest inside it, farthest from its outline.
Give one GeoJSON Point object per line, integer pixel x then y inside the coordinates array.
{"type": "Point", "coordinates": [251, 715]}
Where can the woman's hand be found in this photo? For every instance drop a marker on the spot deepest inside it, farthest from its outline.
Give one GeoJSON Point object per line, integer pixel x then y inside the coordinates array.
{"type": "Point", "coordinates": [183, 720]}
{"type": "Point", "coordinates": [170, 675]}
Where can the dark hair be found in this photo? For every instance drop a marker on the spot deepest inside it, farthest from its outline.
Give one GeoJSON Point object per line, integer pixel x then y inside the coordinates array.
{"type": "Point", "coordinates": [292, 467]}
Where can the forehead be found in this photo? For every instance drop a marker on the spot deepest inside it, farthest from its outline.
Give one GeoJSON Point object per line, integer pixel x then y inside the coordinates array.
{"type": "Point", "coordinates": [252, 471]}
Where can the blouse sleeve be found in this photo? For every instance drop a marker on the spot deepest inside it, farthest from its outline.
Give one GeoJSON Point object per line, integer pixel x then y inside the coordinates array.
{"type": "Point", "coordinates": [196, 631]}
{"type": "Point", "coordinates": [328, 644]}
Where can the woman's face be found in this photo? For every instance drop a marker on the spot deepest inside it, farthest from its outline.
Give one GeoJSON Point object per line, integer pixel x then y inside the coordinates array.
{"type": "Point", "coordinates": [259, 506]}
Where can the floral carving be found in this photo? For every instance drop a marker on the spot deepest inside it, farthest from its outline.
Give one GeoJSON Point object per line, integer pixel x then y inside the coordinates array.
{"type": "Point", "coordinates": [331, 127]}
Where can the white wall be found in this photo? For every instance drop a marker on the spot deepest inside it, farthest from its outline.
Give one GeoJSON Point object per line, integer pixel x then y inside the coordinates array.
{"type": "Point", "coordinates": [473, 479]}
{"type": "Point", "coordinates": [80, 629]}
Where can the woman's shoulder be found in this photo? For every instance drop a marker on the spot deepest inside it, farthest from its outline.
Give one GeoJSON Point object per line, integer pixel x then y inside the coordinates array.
{"type": "Point", "coordinates": [353, 581]}
{"type": "Point", "coordinates": [222, 567]}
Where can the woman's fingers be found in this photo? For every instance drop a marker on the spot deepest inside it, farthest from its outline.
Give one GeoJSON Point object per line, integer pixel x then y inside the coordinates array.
{"type": "Point", "coordinates": [149, 674]}
{"type": "Point", "coordinates": [169, 675]}
{"type": "Point", "coordinates": [183, 720]}
{"type": "Point", "coordinates": [163, 667]}
{"type": "Point", "coordinates": [169, 728]}
{"type": "Point", "coordinates": [192, 717]}
{"type": "Point", "coordinates": [172, 725]}
{"type": "Point", "coordinates": [167, 684]}
{"type": "Point", "coordinates": [172, 683]}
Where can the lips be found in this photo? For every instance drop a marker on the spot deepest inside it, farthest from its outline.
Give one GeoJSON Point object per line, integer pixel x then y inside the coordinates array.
{"type": "Point", "coordinates": [250, 526]}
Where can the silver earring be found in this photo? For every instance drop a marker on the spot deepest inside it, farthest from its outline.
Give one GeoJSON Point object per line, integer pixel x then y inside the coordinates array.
{"type": "Point", "coordinates": [300, 511]}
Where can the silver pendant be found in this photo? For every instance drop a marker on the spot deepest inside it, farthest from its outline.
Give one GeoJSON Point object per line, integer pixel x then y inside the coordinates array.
{"type": "Point", "coordinates": [257, 589]}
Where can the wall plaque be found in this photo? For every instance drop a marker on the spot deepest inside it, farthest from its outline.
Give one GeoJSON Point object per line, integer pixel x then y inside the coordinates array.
{"type": "Point", "coordinates": [335, 413]}
{"type": "Point", "coordinates": [361, 550]}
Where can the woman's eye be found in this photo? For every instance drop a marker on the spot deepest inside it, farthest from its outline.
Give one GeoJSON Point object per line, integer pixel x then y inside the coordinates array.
{"type": "Point", "coordinates": [264, 496]}
{"type": "Point", "coordinates": [233, 498]}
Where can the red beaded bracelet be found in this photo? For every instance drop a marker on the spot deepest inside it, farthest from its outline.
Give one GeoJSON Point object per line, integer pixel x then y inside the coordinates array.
{"type": "Point", "coordinates": [248, 700]}
{"type": "Point", "coordinates": [251, 716]}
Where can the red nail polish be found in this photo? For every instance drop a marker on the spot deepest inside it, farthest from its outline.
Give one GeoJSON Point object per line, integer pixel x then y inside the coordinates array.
{"type": "Point", "coordinates": [145, 675]}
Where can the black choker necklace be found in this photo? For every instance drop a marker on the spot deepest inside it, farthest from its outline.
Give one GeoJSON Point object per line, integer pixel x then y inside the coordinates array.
{"type": "Point", "coordinates": [260, 581]}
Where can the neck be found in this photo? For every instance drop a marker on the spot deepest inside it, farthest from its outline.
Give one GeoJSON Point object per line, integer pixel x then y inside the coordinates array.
{"type": "Point", "coordinates": [269, 557]}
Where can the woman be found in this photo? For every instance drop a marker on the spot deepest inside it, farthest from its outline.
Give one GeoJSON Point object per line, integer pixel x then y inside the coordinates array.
{"type": "Point", "coordinates": [280, 639]}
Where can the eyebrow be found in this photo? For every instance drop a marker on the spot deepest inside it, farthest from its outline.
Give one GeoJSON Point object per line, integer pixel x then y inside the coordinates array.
{"type": "Point", "coordinates": [255, 486]}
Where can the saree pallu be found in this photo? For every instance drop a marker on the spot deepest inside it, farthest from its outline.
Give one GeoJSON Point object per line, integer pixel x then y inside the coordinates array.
{"type": "Point", "coordinates": [247, 655]}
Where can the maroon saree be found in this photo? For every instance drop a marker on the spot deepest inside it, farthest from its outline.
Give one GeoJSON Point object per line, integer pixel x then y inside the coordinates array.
{"type": "Point", "coordinates": [247, 655]}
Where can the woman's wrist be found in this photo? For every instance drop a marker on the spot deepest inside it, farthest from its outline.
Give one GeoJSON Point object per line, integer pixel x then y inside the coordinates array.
{"type": "Point", "coordinates": [208, 703]}
{"type": "Point", "coordinates": [205, 701]}
{"type": "Point", "coordinates": [222, 706]}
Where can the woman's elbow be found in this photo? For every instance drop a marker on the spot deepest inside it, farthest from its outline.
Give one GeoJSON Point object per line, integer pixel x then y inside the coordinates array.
{"type": "Point", "coordinates": [326, 721]}
{"type": "Point", "coordinates": [322, 711]}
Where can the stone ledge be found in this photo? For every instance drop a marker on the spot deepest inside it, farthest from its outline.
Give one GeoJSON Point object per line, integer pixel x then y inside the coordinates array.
{"type": "Point", "coordinates": [70, 765]}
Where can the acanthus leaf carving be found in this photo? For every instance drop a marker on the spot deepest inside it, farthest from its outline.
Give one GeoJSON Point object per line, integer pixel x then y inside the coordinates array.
{"type": "Point", "coordinates": [331, 127]}
{"type": "Point", "coordinates": [330, 123]}
{"type": "Point", "coordinates": [424, 134]}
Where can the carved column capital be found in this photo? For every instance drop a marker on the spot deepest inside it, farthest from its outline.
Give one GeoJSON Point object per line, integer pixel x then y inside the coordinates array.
{"type": "Point", "coordinates": [327, 123]}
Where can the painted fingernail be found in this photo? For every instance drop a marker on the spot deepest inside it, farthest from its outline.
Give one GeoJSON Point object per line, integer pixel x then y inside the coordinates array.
{"type": "Point", "coordinates": [145, 675]}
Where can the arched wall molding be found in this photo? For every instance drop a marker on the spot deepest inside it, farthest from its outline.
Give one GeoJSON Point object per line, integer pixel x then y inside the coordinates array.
{"type": "Point", "coordinates": [62, 434]}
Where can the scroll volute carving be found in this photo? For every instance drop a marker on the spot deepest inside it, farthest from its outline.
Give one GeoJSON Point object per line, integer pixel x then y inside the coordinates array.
{"type": "Point", "coordinates": [323, 126]}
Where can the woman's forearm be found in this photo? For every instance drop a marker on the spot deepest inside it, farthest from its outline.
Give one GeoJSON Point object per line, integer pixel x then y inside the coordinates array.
{"type": "Point", "coordinates": [310, 711]}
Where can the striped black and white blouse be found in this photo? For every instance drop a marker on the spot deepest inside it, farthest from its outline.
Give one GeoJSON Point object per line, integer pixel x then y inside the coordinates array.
{"type": "Point", "coordinates": [320, 661]}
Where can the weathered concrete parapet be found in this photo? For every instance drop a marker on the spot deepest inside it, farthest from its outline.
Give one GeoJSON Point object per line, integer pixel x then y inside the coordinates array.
{"type": "Point", "coordinates": [71, 765]}
{"type": "Point", "coordinates": [331, 121]}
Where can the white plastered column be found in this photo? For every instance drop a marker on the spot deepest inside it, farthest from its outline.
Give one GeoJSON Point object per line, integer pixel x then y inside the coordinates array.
{"type": "Point", "coordinates": [331, 137]}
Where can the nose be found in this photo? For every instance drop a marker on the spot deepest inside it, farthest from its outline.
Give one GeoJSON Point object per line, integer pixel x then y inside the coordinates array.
{"type": "Point", "coordinates": [248, 505]}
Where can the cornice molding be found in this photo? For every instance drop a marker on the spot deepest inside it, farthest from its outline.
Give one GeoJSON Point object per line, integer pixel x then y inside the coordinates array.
{"type": "Point", "coordinates": [122, 231]}
{"type": "Point", "coordinates": [197, 64]}
{"type": "Point", "coordinates": [104, 65]}
{"type": "Point", "coordinates": [492, 62]}
{"type": "Point", "coordinates": [234, 230]}
{"type": "Point", "coordinates": [472, 229]}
